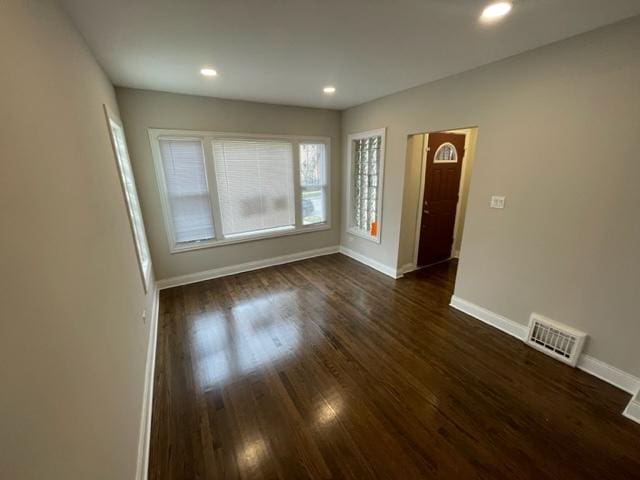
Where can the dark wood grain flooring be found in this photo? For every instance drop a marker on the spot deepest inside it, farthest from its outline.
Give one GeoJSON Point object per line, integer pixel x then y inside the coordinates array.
{"type": "Point", "coordinates": [327, 369]}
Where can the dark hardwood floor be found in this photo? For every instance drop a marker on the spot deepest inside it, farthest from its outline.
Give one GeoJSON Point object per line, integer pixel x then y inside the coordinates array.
{"type": "Point", "coordinates": [326, 369]}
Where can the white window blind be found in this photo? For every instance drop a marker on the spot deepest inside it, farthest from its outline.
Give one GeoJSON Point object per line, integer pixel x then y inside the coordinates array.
{"type": "Point", "coordinates": [131, 199]}
{"type": "Point", "coordinates": [187, 191]}
{"type": "Point", "coordinates": [255, 184]}
{"type": "Point", "coordinates": [313, 182]}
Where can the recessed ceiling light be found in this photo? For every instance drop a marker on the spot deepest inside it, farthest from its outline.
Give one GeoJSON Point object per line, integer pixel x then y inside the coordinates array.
{"type": "Point", "coordinates": [208, 72]}
{"type": "Point", "coordinates": [496, 10]}
{"type": "Point", "coordinates": [329, 89]}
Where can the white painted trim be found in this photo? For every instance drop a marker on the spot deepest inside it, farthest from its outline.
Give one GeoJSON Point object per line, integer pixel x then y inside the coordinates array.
{"type": "Point", "coordinates": [382, 132]}
{"type": "Point", "coordinates": [180, 134]}
{"type": "Point", "coordinates": [487, 316]}
{"type": "Point", "coordinates": [468, 148]}
{"type": "Point", "coordinates": [381, 267]}
{"type": "Point", "coordinates": [610, 374]}
{"type": "Point", "coordinates": [423, 170]}
{"type": "Point", "coordinates": [129, 191]}
{"type": "Point", "coordinates": [599, 369]}
{"type": "Point", "coordinates": [243, 267]}
{"type": "Point", "coordinates": [632, 411]}
{"type": "Point", "coordinates": [242, 238]}
{"type": "Point", "coordinates": [144, 435]}
{"type": "Point", "coordinates": [328, 173]}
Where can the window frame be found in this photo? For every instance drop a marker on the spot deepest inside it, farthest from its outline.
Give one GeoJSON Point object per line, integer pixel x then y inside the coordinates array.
{"type": "Point", "coordinates": [351, 229]}
{"type": "Point", "coordinates": [325, 187]}
{"type": "Point", "coordinates": [207, 138]}
{"type": "Point", "coordinates": [442, 145]}
{"type": "Point", "coordinates": [139, 242]}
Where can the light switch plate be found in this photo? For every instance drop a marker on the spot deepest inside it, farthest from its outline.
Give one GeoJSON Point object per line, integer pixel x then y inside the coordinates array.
{"type": "Point", "coordinates": [497, 201]}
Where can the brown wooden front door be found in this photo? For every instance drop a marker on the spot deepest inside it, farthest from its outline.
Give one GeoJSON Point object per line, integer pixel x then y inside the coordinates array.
{"type": "Point", "coordinates": [445, 153]}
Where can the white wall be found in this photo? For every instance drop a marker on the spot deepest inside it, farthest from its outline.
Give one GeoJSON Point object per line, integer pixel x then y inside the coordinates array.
{"type": "Point", "coordinates": [72, 343]}
{"type": "Point", "coordinates": [146, 109]}
{"type": "Point", "coordinates": [558, 130]}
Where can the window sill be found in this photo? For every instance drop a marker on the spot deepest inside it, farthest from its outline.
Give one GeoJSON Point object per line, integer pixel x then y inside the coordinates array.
{"type": "Point", "coordinates": [242, 238]}
{"type": "Point", "coordinates": [361, 234]}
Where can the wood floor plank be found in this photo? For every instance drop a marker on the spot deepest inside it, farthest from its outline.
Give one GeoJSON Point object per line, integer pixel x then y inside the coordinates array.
{"type": "Point", "coordinates": [327, 369]}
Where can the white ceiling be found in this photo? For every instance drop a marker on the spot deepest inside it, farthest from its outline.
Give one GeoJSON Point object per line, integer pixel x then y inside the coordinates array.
{"type": "Point", "coordinates": [285, 51]}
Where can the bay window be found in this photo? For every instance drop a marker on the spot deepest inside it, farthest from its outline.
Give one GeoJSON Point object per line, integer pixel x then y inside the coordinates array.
{"type": "Point", "coordinates": [219, 188]}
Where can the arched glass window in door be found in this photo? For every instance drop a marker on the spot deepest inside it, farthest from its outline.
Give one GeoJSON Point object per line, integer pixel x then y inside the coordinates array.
{"type": "Point", "coordinates": [446, 153]}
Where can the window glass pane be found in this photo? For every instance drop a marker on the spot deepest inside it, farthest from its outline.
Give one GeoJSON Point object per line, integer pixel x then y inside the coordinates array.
{"type": "Point", "coordinates": [313, 182]}
{"type": "Point", "coordinates": [255, 185]}
{"type": "Point", "coordinates": [364, 184]}
{"type": "Point", "coordinates": [446, 153]}
{"type": "Point", "coordinates": [187, 189]}
{"type": "Point", "coordinates": [131, 198]}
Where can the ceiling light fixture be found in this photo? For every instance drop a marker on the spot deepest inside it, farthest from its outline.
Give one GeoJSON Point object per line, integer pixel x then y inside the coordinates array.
{"type": "Point", "coordinates": [496, 10]}
{"type": "Point", "coordinates": [208, 72]}
{"type": "Point", "coordinates": [329, 89]}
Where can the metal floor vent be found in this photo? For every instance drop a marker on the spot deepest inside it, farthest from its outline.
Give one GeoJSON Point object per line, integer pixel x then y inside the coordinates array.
{"type": "Point", "coordinates": [555, 339]}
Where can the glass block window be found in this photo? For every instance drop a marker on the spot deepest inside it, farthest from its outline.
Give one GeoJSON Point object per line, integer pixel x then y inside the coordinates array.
{"type": "Point", "coordinates": [366, 185]}
{"type": "Point", "coordinates": [446, 153]}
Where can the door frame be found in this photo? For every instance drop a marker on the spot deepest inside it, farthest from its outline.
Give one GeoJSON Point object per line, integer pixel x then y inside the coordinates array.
{"type": "Point", "coordinates": [423, 171]}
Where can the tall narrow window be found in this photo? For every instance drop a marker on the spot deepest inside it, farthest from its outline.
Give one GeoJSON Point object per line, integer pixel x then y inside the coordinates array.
{"type": "Point", "coordinates": [255, 185]}
{"type": "Point", "coordinates": [131, 197]}
{"type": "Point", "coordinates": [187, 192]}
{"type": "Point", "coordinates": [365, 183]}
{"type": "Point", "coordinates": [313, 182]}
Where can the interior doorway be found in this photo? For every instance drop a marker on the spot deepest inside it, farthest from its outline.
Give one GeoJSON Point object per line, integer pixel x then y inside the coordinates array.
{"type": "Point", "coordinates": [447, 159]}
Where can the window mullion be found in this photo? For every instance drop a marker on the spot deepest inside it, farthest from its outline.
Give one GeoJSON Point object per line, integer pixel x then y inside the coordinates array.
{"type": "Point", "coordinates": [297, 190]}
{"type": "Point", "coordinates": [210, 168]}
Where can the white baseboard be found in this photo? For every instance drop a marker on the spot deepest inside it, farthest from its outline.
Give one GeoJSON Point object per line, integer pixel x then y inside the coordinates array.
{"type": "Point", "coordinates": [616, 377]}
{"type": "Point", "coordinates": [610, 374]}
{"type": "Point", "coordinates": [243, 267]}
{"type": "Point", "coordinates": [487, 316]}
{"type": "Point", "coordinates": [633, 409]}
{"type": "Point", "coordinates": [144, 435]}
{"type": "Point", "coordinates": [381, 267]}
